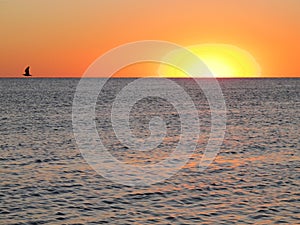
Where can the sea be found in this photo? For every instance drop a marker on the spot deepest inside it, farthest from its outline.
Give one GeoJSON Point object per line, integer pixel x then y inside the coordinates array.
{"type": "Point", "coordinates": [254, 178]}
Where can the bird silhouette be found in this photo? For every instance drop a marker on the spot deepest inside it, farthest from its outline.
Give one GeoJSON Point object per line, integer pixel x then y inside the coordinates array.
{"type": "Point", "coordinates": [27, 73]}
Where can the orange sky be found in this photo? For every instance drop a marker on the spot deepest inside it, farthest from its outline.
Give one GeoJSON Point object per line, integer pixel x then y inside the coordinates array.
{"type": "Point", "coordinates": [61, 38]}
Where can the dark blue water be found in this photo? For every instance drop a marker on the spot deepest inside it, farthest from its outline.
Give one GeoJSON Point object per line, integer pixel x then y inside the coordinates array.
{"type": "Point", "coordinates": [254, 179]}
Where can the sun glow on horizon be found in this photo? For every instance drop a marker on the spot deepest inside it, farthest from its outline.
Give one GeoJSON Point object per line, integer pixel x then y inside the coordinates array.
{"type": "Point", "coordinates": [222, 60]}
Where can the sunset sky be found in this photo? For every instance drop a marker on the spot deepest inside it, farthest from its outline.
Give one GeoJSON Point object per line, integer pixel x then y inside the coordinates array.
{"type": "Point", "coordinates": [62, 38]}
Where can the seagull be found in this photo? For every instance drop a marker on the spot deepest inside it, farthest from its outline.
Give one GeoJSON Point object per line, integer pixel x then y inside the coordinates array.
{"type": "Point", "coordinates": [27, 74]}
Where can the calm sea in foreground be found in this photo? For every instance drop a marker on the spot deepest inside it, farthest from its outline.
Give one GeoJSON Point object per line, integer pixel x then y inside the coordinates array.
{"type": "Point", "coordinates": [255, 178]}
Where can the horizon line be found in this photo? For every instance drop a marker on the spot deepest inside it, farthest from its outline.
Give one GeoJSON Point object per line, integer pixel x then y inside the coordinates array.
{"type": "Point", "coordinates": [148, 77]}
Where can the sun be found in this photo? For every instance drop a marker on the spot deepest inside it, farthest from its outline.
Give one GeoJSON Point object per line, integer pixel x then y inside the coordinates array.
{"type": "Point", "coordinates": [223, 60]}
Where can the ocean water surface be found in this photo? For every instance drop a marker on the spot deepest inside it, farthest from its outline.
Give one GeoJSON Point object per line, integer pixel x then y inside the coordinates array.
{"type": "Point", "coordinates": [255, 178]}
